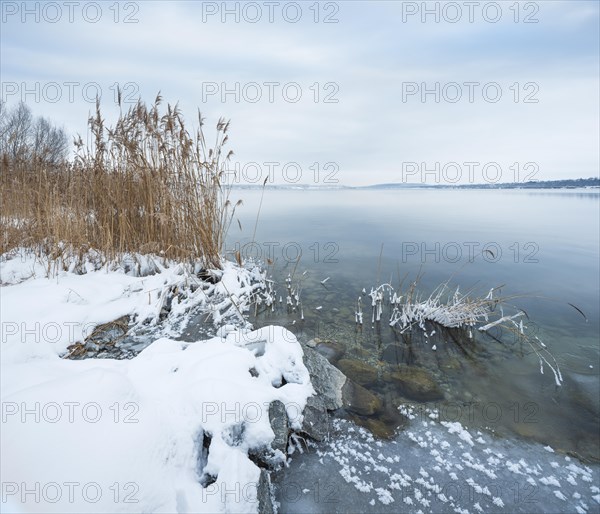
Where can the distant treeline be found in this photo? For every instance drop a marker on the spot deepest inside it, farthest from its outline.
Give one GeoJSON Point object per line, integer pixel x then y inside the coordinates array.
{"type": "Point", "coordinates": [542, 184]}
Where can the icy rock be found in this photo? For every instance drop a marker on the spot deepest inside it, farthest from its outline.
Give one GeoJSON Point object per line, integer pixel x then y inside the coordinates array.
{"type": "Point", "coordinates": [279, 423]}
{"type": "Point", "coordinates": [264, 494]}
{"type": "Point", "coordinates": [316, 423]}
{"type": "Point", "coordinates": [234, 434]}
{"type": "Point", "coordinates": [267, 458]}
{"type": "Point", "coordinates": [326, 379]}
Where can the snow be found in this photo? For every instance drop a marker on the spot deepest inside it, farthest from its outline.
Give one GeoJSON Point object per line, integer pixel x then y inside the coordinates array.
{"type": "Point", "coordinates": [45, 313]}
{"type": "Point", "coordinates": [105, 435]}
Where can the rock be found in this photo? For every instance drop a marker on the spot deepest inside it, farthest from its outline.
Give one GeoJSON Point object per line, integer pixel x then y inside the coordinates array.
{"type": "Point", "coordinates": [313, 342]}
{"type": "Point", "coordinates": [384, 424]}
{"type": "Point", "coordinates": [331, 350]}
{"type": "Point", "coordinates": [264, 493]}
{"type": "Point", "coordinates": [265, 457]}
{"type": "Point", "coordinates": [376, 426]}
{"type": "Point", "coordinates": [280, 425]}
{"type": "Point", "coordinates": [359, 400]}
{"type": "Point", "coordinates": [316, 423]}
{"type": "Point", "coordinates": [326, 379]}
{"type": "Point", "coordinates": [415, 383]}
{"type": "Point", "coordinates": [361, 372]}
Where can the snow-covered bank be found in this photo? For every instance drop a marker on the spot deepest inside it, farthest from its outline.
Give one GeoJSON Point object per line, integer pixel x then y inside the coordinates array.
{"type": "Point", "coordinates": [170, 430]}
{"type": "Point", "coordinates": [43, 312]}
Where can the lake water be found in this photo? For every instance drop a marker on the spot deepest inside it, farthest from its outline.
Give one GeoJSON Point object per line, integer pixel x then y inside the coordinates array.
{"type": "Point", "coordinates": [542, 246]}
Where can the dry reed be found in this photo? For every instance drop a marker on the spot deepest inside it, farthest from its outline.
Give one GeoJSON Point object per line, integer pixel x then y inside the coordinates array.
{"type": "Point", "coordinates": [146, 185]}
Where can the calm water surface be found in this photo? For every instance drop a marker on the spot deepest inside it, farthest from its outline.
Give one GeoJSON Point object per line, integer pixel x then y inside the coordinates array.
{"type": "Point", "coordinates": [540, 245]}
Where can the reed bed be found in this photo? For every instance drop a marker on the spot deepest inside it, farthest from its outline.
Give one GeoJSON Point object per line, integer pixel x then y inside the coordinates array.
{"type": "Point", "coordinates": [146, 185]}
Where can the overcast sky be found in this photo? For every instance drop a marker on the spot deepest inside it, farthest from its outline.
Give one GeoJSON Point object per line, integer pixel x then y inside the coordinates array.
{"type": "Point", "coordinates": [335, 87]}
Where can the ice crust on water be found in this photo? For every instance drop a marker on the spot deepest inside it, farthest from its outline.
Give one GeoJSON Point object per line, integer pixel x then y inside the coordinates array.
{"type": "Point", "coordinates": [436, 467]}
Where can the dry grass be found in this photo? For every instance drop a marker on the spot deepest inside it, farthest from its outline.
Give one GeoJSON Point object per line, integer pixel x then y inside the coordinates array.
{"type": "Point", "coordinates": [146, 185]}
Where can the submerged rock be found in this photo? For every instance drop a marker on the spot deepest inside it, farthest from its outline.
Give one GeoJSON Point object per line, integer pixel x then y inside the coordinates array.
{"type": "Point", "coordinates": [377, 426]}
{"type": "Point", "coordinates": [415, 383]}
{"type": "Point", "coordinates": [450, 363]}
{"type": "Point", "coordinates": [331, 350]}
{"type": "Point", "coordinates": [359, 400]}
{"type": "Point", "coordinates": [361, 372]}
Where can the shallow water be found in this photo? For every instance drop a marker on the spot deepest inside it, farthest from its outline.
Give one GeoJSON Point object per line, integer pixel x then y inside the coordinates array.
{"type": "Point", "coordinates": [433, 467]}
{"type": "Point", "coordinates": [544, 245]}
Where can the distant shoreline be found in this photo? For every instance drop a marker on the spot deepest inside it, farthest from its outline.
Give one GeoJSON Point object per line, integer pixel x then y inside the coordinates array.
{"type": "Point", "coordinates": [582, 183]}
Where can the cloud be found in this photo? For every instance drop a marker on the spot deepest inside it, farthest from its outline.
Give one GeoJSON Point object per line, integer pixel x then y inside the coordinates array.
{"type": "Point", "coordinates": [364, 62]}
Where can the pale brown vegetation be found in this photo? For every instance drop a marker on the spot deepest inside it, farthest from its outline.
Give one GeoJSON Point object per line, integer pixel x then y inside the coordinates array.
{"type": "Point", "coordinates": [145, 185]}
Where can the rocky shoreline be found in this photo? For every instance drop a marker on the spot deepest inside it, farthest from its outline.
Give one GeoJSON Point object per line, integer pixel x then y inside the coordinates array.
{"type": "Point", "coordinates": [341, 394]}
{"type": "Point", "coordinates": [346, 387]}
{"type": "Point", "coordinates": [341, 387]}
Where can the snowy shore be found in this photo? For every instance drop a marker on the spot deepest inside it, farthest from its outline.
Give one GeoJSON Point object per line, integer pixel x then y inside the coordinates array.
{"type": "Point", "coordinates": [175, 429]}
{"type": "Point", "coordinates": [198, 426]}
